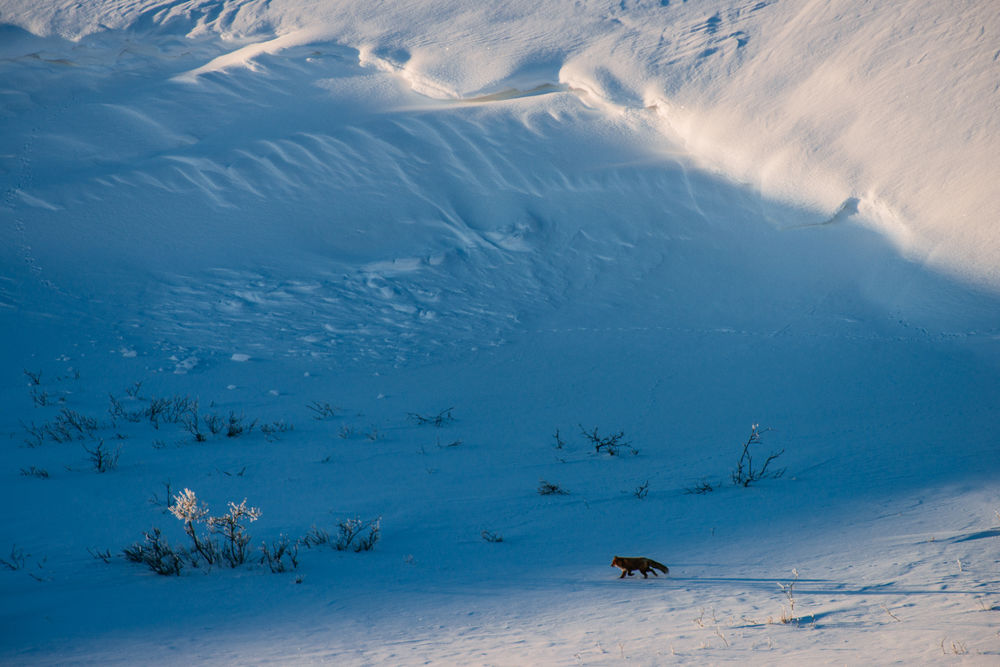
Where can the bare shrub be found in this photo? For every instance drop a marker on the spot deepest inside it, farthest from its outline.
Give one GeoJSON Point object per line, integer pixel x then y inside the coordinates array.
{"type": "Point", "coordinates": [315, 537]}
{"type": "Point", "coordinates": [214, 423]}
{"type": "Point", "coordinates": [103, 458]}
{"type": "Point", "coordinates": [788, 614]}
{"type": "Point", "coordinates": [118, 411]}
{"type": "Point", "coordinates": [700, 488]}
{"type": "Point", "coordinates": [281, 556]}
{"type": "Point", "coordinates": [560, 443]}
{"type": "Point", "coordinates": [155, 553]}
{"type": "Point", "coordinates": [273, 430]}
{"type": "Point", "coordinates": [745, 473]}
{"type": "Point", "coordinates": [165, 501]}
{"type": "Point", "coordinates": [642, 490]}
{"type": "Point", "coordinates": [174, 409]}
{"type": "Point", "coordinates": [550, 489]}
{"type": "Point", "coordinates": [39, 397]}
{"type": "Point", "coordinates": [955, 647]}
{"type": "Point", "coordinates": [16, 559]}
{"type": "Point", "coordinates": [491, 537]}
{"type": "Point", "coordinates": [70, 424]}
{"type": "Point", "coordinates": [237, 425]}
{"type": "Point", "coordinates": [609, 443]}
{"type": "Point", "coordinates": [350, 534]}
{"type": "Point", "coordinates": [322, 410]}
{"type": "Point", "coordinates": [35, 472]}
{"type": "Point", "coordinates": [35, 435]}
{"type": "Point", "coordinates": [191, 424]}
{"type": "Point", "coordinates": [442, 418]}
{"type": "Point", "coordinates": [100, 555]}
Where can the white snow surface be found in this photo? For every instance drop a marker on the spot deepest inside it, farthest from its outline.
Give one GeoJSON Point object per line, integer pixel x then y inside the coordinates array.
{"type": "Point", "coordinates": [340, 220]}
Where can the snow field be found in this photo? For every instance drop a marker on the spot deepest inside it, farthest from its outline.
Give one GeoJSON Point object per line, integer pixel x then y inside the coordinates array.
{"type": "Point", "coordinates": [670, 219]}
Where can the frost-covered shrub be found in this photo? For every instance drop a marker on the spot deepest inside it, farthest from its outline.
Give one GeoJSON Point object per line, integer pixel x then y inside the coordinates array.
{"type": "Point", "coordinates": [350, 533]}
{"type": "Point", "coordinates": [187, 508]}
{"type": "Point", "coordinates": [231, 527]}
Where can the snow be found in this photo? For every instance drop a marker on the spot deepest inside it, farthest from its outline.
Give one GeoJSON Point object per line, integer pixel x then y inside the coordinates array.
{"type": "Point", "coordinates": [337, 221]}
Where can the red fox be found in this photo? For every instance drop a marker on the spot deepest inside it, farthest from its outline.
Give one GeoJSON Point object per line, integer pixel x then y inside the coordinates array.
{"type": "Point", "coordinates": [629, 565]}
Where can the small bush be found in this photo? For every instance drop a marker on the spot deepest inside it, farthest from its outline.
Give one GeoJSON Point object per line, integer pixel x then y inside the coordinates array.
{"type": "Point", "coordinates": [16, 559]}
{"type": "Point", "coordinates": [788, 615]}
{"type": "Point", "coordinates": [700, 488]}
{"type": "Point", "coordinates": [36, 435]}
{"type": "Point", "coordinates": [100, 555]}
{"type": "Point", "coordinates": [273, 430]}
{"type": "Point", "coordinates": [71, 425]}
{"type": "Point", "coordinates": [350, 534]}
{"type": "Point", "coordinates": [186, 507]}
{"type": "Point", "coordinates": [35, 472]}
{"type": "Point", "coordinates": [442, 418]}
{"type": "Point", "coordinates": [117, 411]}
{"type": "Point", "coordinates": [642, 490]}
{"type": "Point", "coordinates": [491, 537]}
{"type": "Point", "coordinates": [103, 458]}
{"type": "Point", "coordinates": [322, 411]}
{"type": "Point", "coordinates": [550, 489]}
{"type": "Point", "coordinates": [237, 425]}
{"type": "Point", "coordinates": [39, 397]}
{"type": "Point", "coordinates": [560, 443]}
{"type": "Point", "coordinates": [315, 538]}
{"type": "Point", "coordinates": [155, 553]}
{"type": "Point", "coordinates": [231, 526]}
{"type": "Point", "coordinates": [281, 556]}
{"type": "Point", "coordinates": [745, 473]}
{"type": "Point", "coordinates": [609, 443]}
{"type": "Point", "coordinates": [170, 410]}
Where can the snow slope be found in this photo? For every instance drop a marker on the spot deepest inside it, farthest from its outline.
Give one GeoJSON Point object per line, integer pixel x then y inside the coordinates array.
{"type": "Point", "coordinates": [671, 219]}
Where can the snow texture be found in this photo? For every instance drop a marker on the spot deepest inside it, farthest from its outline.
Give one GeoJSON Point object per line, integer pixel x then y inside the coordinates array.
{"type": "Point", "coordinates": [400, 258]}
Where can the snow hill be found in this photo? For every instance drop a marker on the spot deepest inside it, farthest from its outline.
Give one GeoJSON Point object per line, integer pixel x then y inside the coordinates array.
{"type": "Point", "coordinates": [419, 263]}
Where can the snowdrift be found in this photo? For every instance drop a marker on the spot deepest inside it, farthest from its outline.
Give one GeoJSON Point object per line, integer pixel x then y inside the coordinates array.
{"type": "Point", "coordinates": [336, 221]}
